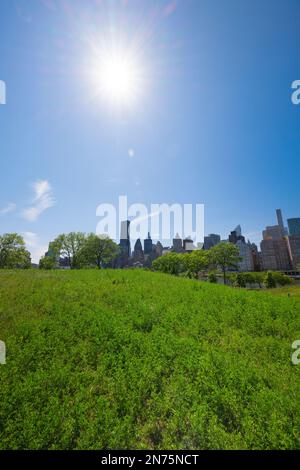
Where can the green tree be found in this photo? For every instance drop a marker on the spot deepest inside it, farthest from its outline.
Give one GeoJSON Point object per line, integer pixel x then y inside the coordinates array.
{"type": "Point", "coordinates": [69, 246]}
{"type": "Point", "coordinates": [98, 250]}
{"type": "Point", "coordinates": [47, 262]}
{"type": "Point", "coordinates": [269, 280]}
{"type": "Point", "coordinates": [196, 262]}
{"type": "Point", "coordinates": [282, 279]}
{"type": "Point", "coordinates": [13, 253]}
{"type": "Point", "coordinates": [171, 263]}
{"type": "Point", "coordinates": [225, 256]}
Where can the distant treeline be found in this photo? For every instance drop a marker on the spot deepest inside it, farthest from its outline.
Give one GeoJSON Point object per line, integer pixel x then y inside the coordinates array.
{"type": "Point", "coordinates": [81, 250]}
{"type": "Point", "coordinates": [205, 265]}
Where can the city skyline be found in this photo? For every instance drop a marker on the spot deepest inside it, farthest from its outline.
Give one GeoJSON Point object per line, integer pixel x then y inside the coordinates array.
{"type": "Point", "coordinates": [278, 250]}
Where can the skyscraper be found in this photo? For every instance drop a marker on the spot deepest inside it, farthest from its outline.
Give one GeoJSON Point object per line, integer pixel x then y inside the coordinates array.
{"type": "Point", "coordinates": [211, 240]}
{"type": "Point", "coordinates": [245, 252]}
{"type": "Point", "coordinates": [125, 237]}
{"type": "Point", "coordinates": [280, 219]}
{"type": "Point", "coordinates": [138, 254]}
{"type": "Point", "coordinates": [236, 235]}
{"type": "Point", "coordinates": [148, 245]}
{"type": "Point", "coordinates": [294, 250]}
{"type": "Point", "coordinates": [177, 244]}
{"type": "Point", "coordinates": [294, 226]}
{"type": "Point", "coordinates": [275, 254]}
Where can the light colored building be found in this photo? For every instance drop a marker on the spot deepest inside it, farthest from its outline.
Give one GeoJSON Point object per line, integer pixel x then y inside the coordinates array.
{"type": "Point", "coordinates": [246, 264]}
{"type": "Point", "coordinates": [273, 232]}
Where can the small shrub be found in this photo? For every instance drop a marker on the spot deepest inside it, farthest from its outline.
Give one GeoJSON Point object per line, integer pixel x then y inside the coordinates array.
{"type": "Point", "coordinates": [212, 278]}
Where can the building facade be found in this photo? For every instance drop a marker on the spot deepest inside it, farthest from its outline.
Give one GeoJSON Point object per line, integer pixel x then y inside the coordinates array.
{"type": "Point", "coordinates": [294, 226]}
{"type": "Point", "coordinates": [276, 255]}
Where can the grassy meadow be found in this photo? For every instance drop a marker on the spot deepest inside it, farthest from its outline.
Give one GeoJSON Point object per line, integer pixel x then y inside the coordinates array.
{"type": "Point", "coordinates": [142, 360]}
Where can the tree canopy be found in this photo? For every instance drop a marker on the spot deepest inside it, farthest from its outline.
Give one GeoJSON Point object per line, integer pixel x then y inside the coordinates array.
{"type": "Point", "coordinates": [13, 253]}
{"type": "Point", "coordinates": [225, 256]}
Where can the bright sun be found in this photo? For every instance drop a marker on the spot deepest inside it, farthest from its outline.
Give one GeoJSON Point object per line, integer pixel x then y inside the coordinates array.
{"type": "Point", "coordinates": [118, 78]}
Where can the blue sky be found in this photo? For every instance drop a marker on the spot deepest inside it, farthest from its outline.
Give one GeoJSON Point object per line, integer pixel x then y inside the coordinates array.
{"type": "Point", "coordinates": [213, 122]}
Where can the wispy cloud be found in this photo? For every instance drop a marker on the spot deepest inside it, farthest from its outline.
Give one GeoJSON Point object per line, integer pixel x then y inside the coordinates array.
{"type": "Point", "coordinates": [9, 208]}
{"type": "Point", "coordinates": [33, 244]}
{"type": "Point", "coordinates": [42, 201]}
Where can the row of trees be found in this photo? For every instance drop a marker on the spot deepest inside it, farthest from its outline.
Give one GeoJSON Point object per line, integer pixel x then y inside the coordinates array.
{"type": "Point", "coordinates": [80, 250]}
{"type": "Point", "coordinates": [269, 279]}
{"type": "Point", "coordinates": [224, 256]}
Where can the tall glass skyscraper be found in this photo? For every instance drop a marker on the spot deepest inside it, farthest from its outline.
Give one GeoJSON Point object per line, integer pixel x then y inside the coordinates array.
{"type": "Point", "coordinates": [294, 226]}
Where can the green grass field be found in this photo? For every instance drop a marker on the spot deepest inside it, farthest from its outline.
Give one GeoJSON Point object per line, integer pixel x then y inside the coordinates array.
{"type": "Point", "coordinates": [134, 359]}
{"type": "Point", "coordinates": [288, 291]}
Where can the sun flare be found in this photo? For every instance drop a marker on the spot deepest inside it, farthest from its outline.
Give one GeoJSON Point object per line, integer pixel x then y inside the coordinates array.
{"type": "Point", "coordinates": [118, 77]}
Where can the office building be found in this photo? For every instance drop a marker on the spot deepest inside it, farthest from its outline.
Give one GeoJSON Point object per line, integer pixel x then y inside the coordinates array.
{"type": "Point", "coordinates": [276, 255]}
{"type": "Point", "coordinates": [211, 240]}
{"type": "Point", "coordinates": [148, 245]}
{"type": "Point", "coordinates": [236, 235]}
{"type": "Point", "coordinates": [125, 237]}
{"type": "Point", "coordinates": [246, 263]}
{"type": "Point", "coordinates": [294, 250]}
{"type": "Point", "coordinates": [294, 226]}
{"type": "Point", "coordinates": [177, 244]}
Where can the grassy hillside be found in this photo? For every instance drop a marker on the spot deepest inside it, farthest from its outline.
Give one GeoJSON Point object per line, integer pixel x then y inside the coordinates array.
{"type": "Point", "coordinates": [144, 360]}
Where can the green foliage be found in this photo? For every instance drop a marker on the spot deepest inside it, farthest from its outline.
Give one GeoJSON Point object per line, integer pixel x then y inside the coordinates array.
{"type": "Point", "coordinates": [195, 262]}
{"type": "Point", "coordinates": [238, 279]}
{"type": "Point", "coordinates": [171, 263]}
{"type": "Point", "coordinates": [47, 262]}
{"type": "Point", "coordinates": [69, 246]}
{"type": "Point", "coordinates": [224, 255]}
{"type": "Point", "coordinates": [13, 253]}
{"type": "Point", "coordinates": [212, 278]}
{"type": "Point", "coordinates": [140, 360]}
{"type": "Point", "coordinates": [98, 250]}
{"type": "Point", "coordinates": [272, 279]}
{"type": "Point", "coordinates": [269, 280]}
{"type": "Point", "coordinates": [282, 279]}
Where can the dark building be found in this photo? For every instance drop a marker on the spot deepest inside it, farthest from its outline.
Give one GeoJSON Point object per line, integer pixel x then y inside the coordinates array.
{"type": "Point", "coordinates": [294, 250]}
{"type": "Point", "coordinates": [138, 254]}
{"type": "Point", "coordinates": [211, 240]}
{"type": "Point", "coordinates": [158, 249]}
{"type": "Point", "coordinates": [125, 238]}
{"type": "Point", "coordinates": [255, 257]}
{"type": "Point", "coordinates": [148, 245]}
{"type": "Point", "coordinates": [280, 219]}
{"type": "Point", "coordinates": [294, 226]}
{"type": "Point", "coordinates": [236, 235]}
{"type": "Point", "coordinates": [177, 244]}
